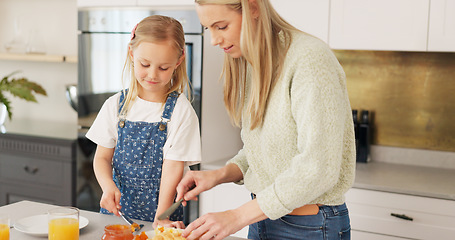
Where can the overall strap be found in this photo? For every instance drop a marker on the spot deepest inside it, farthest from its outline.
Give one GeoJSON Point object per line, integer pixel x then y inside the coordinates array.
{"type": "Point", "coordinates": [169, 106]}
{"type": "Point", "coordinates": [121, 102]}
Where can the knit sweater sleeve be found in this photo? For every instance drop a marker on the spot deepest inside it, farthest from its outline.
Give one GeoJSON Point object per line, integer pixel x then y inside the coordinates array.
{"type": "Point", "coordinates": [318, 104]}
{"type": "Point", "coordinates": [241, 162]}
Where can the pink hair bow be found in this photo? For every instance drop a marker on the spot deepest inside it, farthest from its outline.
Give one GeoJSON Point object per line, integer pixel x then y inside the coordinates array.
{"type": "Point", "coordinates": [133, 32]}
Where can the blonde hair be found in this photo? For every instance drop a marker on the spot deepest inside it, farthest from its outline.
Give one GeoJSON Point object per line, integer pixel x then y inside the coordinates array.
{"type": "Point", "coordinates": [264, 48]}
{"type": "Point", "coordinates": [156, 29]}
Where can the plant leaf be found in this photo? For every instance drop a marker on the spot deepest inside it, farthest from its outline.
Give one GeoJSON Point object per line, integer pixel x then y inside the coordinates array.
{"type": "Point", "coordinates": [22, 91]}
{"type": "Point", "coordinates": [7, 104]}
{"type": "Point", "coordinates": [19, 87]}
{"type": "Point", "coordinates": [31, 85]}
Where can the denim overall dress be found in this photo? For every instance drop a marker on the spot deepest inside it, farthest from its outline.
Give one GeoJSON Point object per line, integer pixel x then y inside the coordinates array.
{"type": "Point", "coordinates": [137, 163]}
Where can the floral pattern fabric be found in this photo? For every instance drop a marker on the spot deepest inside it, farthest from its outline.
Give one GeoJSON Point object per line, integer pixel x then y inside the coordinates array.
{"type": "Point", "coordinates": [137, 164]}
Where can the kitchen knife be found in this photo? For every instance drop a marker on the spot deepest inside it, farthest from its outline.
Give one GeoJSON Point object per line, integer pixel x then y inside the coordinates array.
{"type": "Point", "coordinates": [170, 210]}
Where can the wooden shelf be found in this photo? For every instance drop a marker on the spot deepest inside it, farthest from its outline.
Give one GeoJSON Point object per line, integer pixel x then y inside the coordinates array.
{"type": "Point", "coordinates": [37, 57]}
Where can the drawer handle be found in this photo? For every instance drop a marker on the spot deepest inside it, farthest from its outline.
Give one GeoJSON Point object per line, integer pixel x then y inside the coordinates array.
{"type": "Point", "coordinates": [402, 216]}
{"type": "Point", "coordinates": [31, 170]}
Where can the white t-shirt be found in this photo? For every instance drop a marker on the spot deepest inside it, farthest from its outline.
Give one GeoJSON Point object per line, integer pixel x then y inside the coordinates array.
{"type": "Point", "coordinates": [183, 138]}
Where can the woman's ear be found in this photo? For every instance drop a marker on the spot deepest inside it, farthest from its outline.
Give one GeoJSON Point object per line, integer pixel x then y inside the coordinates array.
{"type": "Point", "coordinates": [254, 8]}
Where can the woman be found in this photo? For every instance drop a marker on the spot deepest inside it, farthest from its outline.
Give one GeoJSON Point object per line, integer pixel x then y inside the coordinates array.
{"type": "Point", "coordinates": [287, 91]}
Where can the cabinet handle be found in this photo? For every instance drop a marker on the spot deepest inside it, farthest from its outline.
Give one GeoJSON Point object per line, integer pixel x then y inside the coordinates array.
{"type": "Point", "coordinates": [31, 170]}
{"type": "Point", "coordinates": [402, 216]}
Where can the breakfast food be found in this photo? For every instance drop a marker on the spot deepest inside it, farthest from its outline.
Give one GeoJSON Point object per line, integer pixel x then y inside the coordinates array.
{"type": "Point", "coordinates": [135, 226]}
{"type": "Point", "coordinates": [142, 236]}
{"type": "Point", "coordinates": [163, 233]}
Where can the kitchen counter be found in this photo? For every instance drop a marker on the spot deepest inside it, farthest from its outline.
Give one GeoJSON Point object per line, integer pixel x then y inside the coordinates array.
{"type": "Point", "coordinates": [41, 128]}
{"type": "Point", "coordinates": [396, 178]}
{"type": "Point", "coordinates": [94, 229]}
{"type": "Point", "coordinates": [406, 179]}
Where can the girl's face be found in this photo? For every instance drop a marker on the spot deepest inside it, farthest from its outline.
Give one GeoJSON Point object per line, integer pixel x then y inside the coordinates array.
{"type": "Point", "coordinates": [224, 24]}
{"type": "Point", "coordinates": [154, 64]}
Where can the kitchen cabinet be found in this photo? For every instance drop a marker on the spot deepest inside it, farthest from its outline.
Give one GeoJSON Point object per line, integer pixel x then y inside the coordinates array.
{"type": "Point", "coordinates": [165, 3]}
{"type": "Point", "coordinates": [133, 3]}
{"type": "Point", "coordinates": [36, 168]}
{"type": "Point", "coordinates": [441, 36]}
{"type": "Point", "coordinates": [414, 217]}
{"type": "Point", "coordinates": [358, 235]}
{"type": "Point", "coordinates": [106, 3]}
{"type": "Point", "coordinates": [400, 25]}
{"type": "Point", "coordinates": [311, 16]}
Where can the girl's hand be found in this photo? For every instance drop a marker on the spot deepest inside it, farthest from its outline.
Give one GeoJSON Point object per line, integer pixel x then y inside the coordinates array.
{"type": "Point", "coordinates": [110, 200]}
{"type": "Point", "coordinates": [168, 223]}
{"type": "Point", "coordinates": [213, 226]}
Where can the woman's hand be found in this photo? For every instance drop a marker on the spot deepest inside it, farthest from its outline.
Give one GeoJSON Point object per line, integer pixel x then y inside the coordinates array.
{"type": "Point", "coordinates": [213, 226]}
{"type": "Point", "coordinates": [110, 200]}
{"type": "Point", "coordinates": [195, 182]}
{"type": "Point", "coordinates": [222, 224]}
{"type": "Point", "coordinates": [168, 223]}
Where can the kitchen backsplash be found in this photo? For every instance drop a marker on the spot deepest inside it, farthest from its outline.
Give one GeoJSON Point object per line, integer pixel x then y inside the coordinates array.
{"type": "Point", "coordinates": [410, 96]}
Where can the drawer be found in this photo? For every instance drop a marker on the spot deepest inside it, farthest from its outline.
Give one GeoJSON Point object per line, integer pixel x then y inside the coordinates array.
{"type": "Point", "coordinates": [11, 193]}
{"type": "Point", "coordinates": [36, 171]}
{"type": "Point", "coordinates": [357, 235]}
{"type": "Point", "coordinates": [371, 211]}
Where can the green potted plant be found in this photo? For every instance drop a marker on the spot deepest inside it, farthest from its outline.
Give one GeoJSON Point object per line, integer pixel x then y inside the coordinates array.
{"type": "Point", "coordinates": [19, 87]}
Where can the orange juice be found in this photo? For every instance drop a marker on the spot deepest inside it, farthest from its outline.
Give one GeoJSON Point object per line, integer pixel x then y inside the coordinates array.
{"type": "Point", "coordinates": [63, 229]}
{"type": "Point", "coordinates": [4, 232]}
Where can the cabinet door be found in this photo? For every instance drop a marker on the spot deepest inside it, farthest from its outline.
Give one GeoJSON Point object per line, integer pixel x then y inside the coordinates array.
{"type": "Point", "coordinates": [106, 3]}
{"type": "Point", "coordinates": [379, 24]}
{"type": "Point", "coordinates": [11, 193]}
{"type": "Point", "coordinates": [165, 3]}
{"type": "Point", "coordinates": [358, 235]}
{"type": "Point", "coordinates": [384, 213]}
{"type": "Point", "coordinates": [311, 16]}
{"type": "Point", "coordinates": [441, 35]}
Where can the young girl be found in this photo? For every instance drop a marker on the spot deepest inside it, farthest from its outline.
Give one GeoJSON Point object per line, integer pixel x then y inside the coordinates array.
{"type": "Point", "coordinates": [287, 91]}
{"type": "Point", "coordinates": [147, 134]}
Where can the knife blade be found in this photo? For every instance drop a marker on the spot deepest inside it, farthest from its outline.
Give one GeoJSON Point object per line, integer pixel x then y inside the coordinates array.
{"type": "Point", "coordinates": [170, 210]}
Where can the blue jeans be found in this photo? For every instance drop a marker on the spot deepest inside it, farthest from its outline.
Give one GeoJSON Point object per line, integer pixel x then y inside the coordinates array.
{"type": "Point", "coordinates": [332, 222]}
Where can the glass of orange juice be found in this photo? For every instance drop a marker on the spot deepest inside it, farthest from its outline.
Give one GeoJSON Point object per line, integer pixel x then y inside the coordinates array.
{"type": "Point", "coordinates": [4, 228]}
{"type": "Point", "coordinates": [64, 223]}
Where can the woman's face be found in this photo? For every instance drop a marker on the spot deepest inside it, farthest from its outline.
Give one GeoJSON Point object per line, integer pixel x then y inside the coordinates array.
{"type": "Point", "coordinates": [154, 64]}
{"type": "Point", "coordinates": [224, 24]}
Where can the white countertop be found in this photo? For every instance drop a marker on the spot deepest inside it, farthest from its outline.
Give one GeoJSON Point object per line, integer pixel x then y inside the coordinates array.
{"type": "Point", "coordinates": [406, 179]}
{"type": "Point", "coordinates": [41, 128]}
{"type": "Point", "coordinates": [396, 178]}
{"type": "Point", "coordinates": [94, 229]}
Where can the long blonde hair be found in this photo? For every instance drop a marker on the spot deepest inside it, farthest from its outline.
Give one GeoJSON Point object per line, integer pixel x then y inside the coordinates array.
{"type": "Point", "coordinates": [155, 29]}
{"type": "Point", "coordinates": [263, 48]}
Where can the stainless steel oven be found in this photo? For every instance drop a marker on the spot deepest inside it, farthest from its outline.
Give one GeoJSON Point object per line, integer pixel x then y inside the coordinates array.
{"type": "Point", "coordinates": [102, 42]}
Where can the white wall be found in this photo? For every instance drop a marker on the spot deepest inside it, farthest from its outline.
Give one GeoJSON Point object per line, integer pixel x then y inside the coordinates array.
{"type": "Point", "coordinates": [56, 23]}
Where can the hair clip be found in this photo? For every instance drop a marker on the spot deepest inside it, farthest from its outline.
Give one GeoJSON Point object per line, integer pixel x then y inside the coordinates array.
{"type": "Point", "coordinates": [133, 32]}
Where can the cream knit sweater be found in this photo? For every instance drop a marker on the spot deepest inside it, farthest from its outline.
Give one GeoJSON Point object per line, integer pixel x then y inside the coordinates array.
{"type": "Point", "coordinates": [304, 153]}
